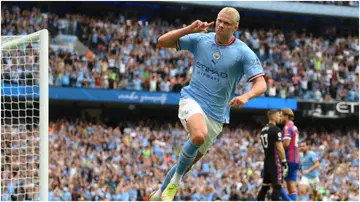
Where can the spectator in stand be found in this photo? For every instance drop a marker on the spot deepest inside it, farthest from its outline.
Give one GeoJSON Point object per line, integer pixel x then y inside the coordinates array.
{"type": "Point", "coordinates": [92, 161]}
{"type": "Point", "coordinates": [301, 65]}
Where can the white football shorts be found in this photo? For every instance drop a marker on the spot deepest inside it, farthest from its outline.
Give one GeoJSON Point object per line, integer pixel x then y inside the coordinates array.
{"type": "Point", "coordinates": [189, 107]}
{"type": "Point", "coordinates": [312, 182]}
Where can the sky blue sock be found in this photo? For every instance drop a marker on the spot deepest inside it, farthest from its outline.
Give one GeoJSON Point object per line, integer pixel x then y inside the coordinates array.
{"type": "Point", "coordinates": [293, 196]}
{"type": "Point", "coordinates": [284, 195]}
{"type": "Point", "coordinates": [187, 156]}
{"type": "Point", "coordinates": [169, 175]}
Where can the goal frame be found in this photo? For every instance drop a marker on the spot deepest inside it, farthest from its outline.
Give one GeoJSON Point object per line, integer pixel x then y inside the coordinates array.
{"type": "Point", "coordinates": [43, 37]}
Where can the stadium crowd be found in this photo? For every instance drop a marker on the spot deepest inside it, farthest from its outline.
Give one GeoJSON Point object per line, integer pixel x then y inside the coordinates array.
{"type": "Point", "coordinates": [123, 55]}
{"type": "Point", "coordinates": [92, 161]}
{"type": "Point", "coordinates": [19, 163]}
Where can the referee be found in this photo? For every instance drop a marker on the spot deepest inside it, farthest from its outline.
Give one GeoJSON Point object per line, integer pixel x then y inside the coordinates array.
{"type": "Point", "coordinates": [275, 166]}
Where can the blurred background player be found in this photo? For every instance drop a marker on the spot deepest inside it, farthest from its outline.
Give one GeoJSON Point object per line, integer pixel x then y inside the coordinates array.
{"type": "Point", "coordinates": [310, 179]}
{"type": "Point", "coordinates": [204, 104]}
{"type": "Point", "coordinates": [275, 166]}
{"type": "Point", "coordinates": [290, 141]}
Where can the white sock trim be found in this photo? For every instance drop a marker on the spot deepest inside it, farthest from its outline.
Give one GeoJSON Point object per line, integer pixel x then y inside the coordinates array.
{"type": "Point", "coordinates": [176, 179]}
{"type": "Point", "coordinates": [158, 193]}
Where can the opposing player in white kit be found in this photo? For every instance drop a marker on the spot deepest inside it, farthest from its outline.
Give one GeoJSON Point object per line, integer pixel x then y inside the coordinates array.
{"type": "Point", "coordinates": [220, 61]}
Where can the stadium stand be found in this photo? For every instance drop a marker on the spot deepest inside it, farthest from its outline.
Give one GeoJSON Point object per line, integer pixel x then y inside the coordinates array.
{"type": "Point", "coordinates": [99, 160]}
{"type": "Point", "coordinates": [296, 64]}
{"type": "Point", "coordinates": [93, 161]}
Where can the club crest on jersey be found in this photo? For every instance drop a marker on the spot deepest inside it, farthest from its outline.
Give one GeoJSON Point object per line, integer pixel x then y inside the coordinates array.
{"type": "Point", "coordinates": [216, 55]}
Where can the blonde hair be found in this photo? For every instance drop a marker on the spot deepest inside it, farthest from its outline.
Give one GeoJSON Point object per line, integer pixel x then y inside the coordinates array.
{"type": "Point", "coordinates": [289, 113]}
{"type": "Point", "coordinates": [233, 12]}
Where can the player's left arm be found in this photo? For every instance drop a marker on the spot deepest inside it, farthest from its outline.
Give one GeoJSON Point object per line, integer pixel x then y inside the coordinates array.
{"type": "Point", "coordinates": [258, 87]}
{"type": "Point", "coordinates": [281, 151]}
{"type": "Point", "coordinates": [279, 145]}
{"type": "Point", "coordinates": [255, 74]}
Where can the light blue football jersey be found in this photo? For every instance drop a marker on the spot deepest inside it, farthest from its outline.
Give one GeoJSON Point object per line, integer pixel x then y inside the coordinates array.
{"type": "Point", "coordinates": [307, 161]}
{"type": "Point", "coordinates": [217, 69]}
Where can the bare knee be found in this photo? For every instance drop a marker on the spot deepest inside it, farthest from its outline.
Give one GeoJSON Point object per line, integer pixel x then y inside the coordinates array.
{"type": "Point", "coordinates": [302, 190]}
{"type": "Point", "coordinates": [197, 128]}
{"type": "Point", "coordinates": [291, 186]}
{"type": "Point", "coordinates": [199, 136]}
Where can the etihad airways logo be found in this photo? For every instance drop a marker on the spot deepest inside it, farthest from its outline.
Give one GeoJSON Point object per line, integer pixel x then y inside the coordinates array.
{"type": "Point", "coordinates": [211, 71]}
{"type": "Point", "coordinates": [346, 107]}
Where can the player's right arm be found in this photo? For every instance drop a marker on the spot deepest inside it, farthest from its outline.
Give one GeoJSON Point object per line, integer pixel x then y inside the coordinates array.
{"type": "Point", "coordinates": [287, 137]}
{"type": "Point", "coordinates": [170, 39]}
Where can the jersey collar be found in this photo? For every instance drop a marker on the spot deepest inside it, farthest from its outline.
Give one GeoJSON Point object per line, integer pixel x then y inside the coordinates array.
{"type": "Point", "coordinates": [233, 39]}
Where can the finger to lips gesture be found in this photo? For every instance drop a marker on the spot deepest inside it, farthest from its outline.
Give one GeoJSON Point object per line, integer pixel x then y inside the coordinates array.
{"type": "Point", "coordinates": [200, 26]}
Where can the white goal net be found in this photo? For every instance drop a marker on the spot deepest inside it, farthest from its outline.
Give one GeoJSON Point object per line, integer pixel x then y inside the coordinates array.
{"type": "Point", "coordinates": [24, 117]}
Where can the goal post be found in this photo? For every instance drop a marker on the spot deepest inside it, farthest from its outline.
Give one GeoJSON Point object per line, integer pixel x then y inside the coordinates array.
{"type": "Point", "coordinates": [25, 116]}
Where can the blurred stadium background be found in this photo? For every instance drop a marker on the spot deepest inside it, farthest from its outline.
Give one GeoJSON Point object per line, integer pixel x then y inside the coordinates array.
{"type": "Point", "coordinates": [113, 130]}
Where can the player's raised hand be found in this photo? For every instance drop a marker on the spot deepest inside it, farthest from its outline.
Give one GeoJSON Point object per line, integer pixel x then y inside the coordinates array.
{"type": "Point", "coordinates": [239, 101]}
{"type": "Point", "coordinates": [199, 26]}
